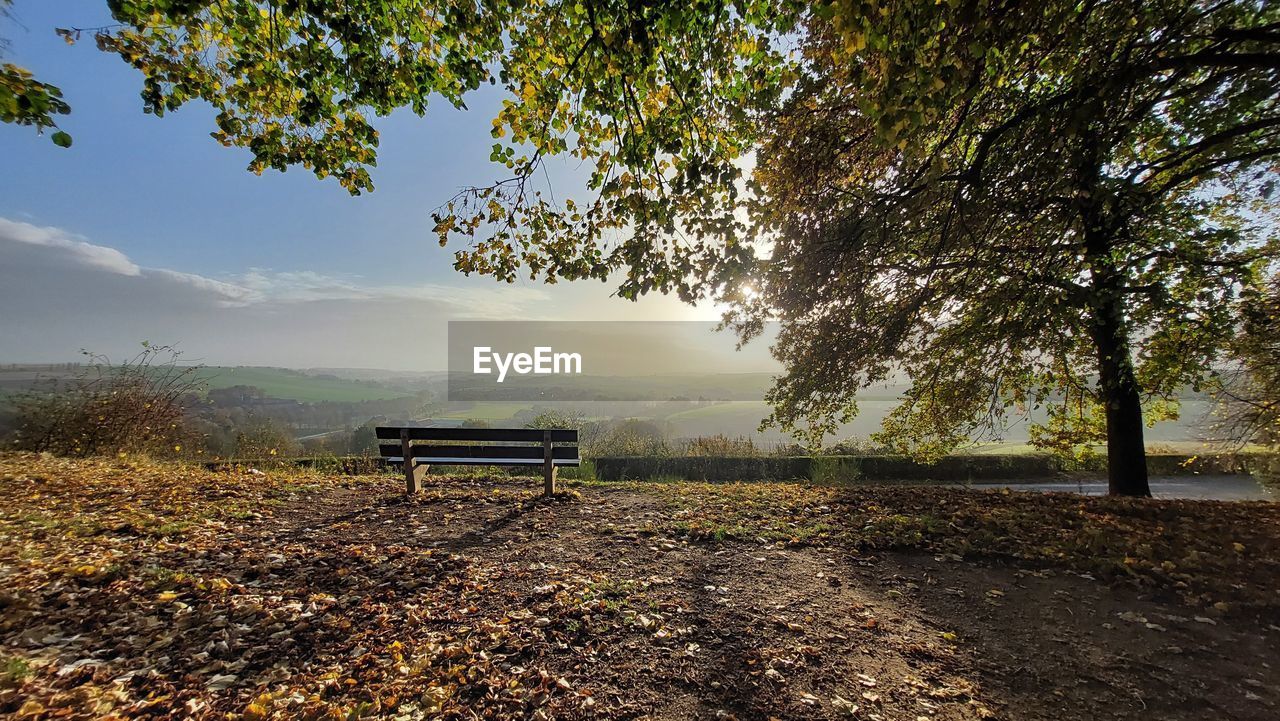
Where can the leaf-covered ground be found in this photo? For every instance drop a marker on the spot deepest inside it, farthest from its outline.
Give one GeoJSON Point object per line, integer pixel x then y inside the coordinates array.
{"type": "Point", "coordinates": [132, 589]}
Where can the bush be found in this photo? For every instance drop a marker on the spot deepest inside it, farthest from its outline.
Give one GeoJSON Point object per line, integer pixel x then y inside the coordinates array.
{"type": "Point", "coordinates": [138, 406]}
{"type": "Point", "coordinates": [364, 440]}
{"type": "Point", "coordinates": [553, 419]}
{"type": "Point", "coordinates": [722, 445]}
{"type": "Point", "coordinates": [263, 437]}
{"type": "Point", "coordinates": [632, 437]}
{"type": "Point", "coordinates": [856, 446]}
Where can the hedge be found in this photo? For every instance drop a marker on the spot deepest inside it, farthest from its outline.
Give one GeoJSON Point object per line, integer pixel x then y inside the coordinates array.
{"type": "Point", "coordinates": [960, 468]}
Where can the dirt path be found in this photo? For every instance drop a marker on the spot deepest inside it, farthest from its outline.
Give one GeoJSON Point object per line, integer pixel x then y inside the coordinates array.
{"type": "Point", "coordinates": [762, 630]}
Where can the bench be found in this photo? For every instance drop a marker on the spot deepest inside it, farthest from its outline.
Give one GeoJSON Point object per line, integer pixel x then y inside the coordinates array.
{"type": "Point", "coordinates": [480, 451]}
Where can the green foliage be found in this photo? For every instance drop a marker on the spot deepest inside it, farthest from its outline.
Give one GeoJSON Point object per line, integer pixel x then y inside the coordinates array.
{"type": "Point", "coordinates": [1054, 208]}
{"type": "Point", "coordinates": [658, 99]}
{"type": "Point", "coordinates": [1249, 399]}
{"type": "Point", "coordinates": [13, 671]}
{"type": "Point", "coordinates": [262, 437]}
{"type": "Point", "coordinates": [27, 101]}
{"type": "Point", "coordinates": [552, 418]}
{"type": "Point", "coordinates": [298, 83]}
{"type": "Point", "coordinates": [630, 437]}
{"type": "Point", "coordinates": [722, 445]}
{"type": "Point", "coordinates": [364, 440]}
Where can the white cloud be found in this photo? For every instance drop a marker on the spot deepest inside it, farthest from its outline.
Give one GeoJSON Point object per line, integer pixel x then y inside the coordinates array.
{"type": "Point", "coordinates": [75, 247]}
{"type": "Point", "coordinates": [61, 293]}
{"type": "Point", "coordinates": [260, 285]}
{"type": "Point", "coordinates": [230, 293]}
{"type": "Point", "coordinates": [496, 301]}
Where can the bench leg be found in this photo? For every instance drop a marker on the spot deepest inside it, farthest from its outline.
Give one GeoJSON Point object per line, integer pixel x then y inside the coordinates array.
{"type": "Point", "coordinates": [549, 482]}
{"type": "Point", "coordinates": [412, 473]}
{"type": "Point", "coordinates": [548, 467]}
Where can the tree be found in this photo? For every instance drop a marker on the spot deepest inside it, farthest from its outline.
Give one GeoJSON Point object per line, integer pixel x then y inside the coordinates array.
{"type": "Point", "coordinates": [1010, 205]}
{"type": "Point", "coordinates": [364, 439]}
{"type": "Point", "coordinates": [27, 101]}
{"type": "Point", "coordinates": [1040, 208]}
{"type": "Point", "coordinates": [1249, 397]}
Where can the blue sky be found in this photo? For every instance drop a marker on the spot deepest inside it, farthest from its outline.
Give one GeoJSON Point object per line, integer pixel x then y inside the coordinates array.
{"type": "Point", "coordinates": [169, 215]}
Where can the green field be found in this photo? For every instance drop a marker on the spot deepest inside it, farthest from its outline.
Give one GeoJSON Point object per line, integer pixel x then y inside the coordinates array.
{"type": "Point", "coordinates": [485, 411]}
{"type": "Point", "coordinates": [294, 385]}
{"type": "Point", "coordinates": [721, 410]}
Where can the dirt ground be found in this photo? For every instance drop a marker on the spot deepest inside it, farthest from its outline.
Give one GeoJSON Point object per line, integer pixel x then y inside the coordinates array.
{"type": "Point", "coordinates": [338, 598]}
{"type": "Point", "coordinates": [896, 635]}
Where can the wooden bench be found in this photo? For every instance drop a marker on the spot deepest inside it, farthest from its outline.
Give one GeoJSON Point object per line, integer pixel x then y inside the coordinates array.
{"type": "Point", "coordinates": [418, 458]}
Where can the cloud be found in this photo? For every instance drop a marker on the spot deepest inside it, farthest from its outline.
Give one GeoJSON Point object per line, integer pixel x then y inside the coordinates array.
{"type": "Point", "coordinates": [260, 285]}
{"type": "Point", "coordinates": [73, 246]}
{"type": "Point", "coordinates": [495, 302]}
{"type": "Point", "coordinates": [61, 293]}
{"type": "Point", "coordinates": [229, 294]}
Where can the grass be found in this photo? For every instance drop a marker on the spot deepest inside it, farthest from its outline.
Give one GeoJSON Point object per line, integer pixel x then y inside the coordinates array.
{"type": "Point", "coordinates": [13, 671]}
{"type": "Point", "coordinates": [484, 411]}
{"type": "Point", "coordinates": [719, 410]}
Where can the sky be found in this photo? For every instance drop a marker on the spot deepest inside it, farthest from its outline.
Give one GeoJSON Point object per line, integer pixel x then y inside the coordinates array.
{"type": "Point", "coordinates": [147, 229]}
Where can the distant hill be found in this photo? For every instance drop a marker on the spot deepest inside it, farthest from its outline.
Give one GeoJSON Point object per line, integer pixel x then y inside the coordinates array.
{"type": "Point", "coordinates": [733, 406]}
{"type": "Point", "coordinates": [282, 383]}
{"type": "Point", "coordinates": [301, 386]}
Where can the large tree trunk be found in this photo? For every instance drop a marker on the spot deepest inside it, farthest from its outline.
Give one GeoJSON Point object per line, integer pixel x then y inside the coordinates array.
{"type": "Point", "coordinates": [1117, 382]}
{"type": "Point", "coordinates": [1126, 453]}
{"type": "Point", "coordinates": [1118, 387]}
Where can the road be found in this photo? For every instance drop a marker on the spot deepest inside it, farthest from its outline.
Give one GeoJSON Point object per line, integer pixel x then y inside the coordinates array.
{"type": "Point", "coordinates": [1218, 488]}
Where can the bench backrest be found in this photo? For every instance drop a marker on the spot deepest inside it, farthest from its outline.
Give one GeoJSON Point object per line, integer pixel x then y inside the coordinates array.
{"type": "Point", "coordinates": [487, 453]}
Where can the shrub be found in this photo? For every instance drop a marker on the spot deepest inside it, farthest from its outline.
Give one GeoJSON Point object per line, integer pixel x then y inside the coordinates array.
{"type": "Point", "coordinates": [263, 437]}
{"type": "Point", "coordinates": [552, 419]}
{"type": "Point", "coordinates": [631, 437]}
{"type": "Point", "coordinates": [722, 445]}
{"type": "Point", "coordinates": [138, 406]}
{"type": "Point", "coordinates": [364, 440]}
{"type": "Point", "coordinates": [856, 446]}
